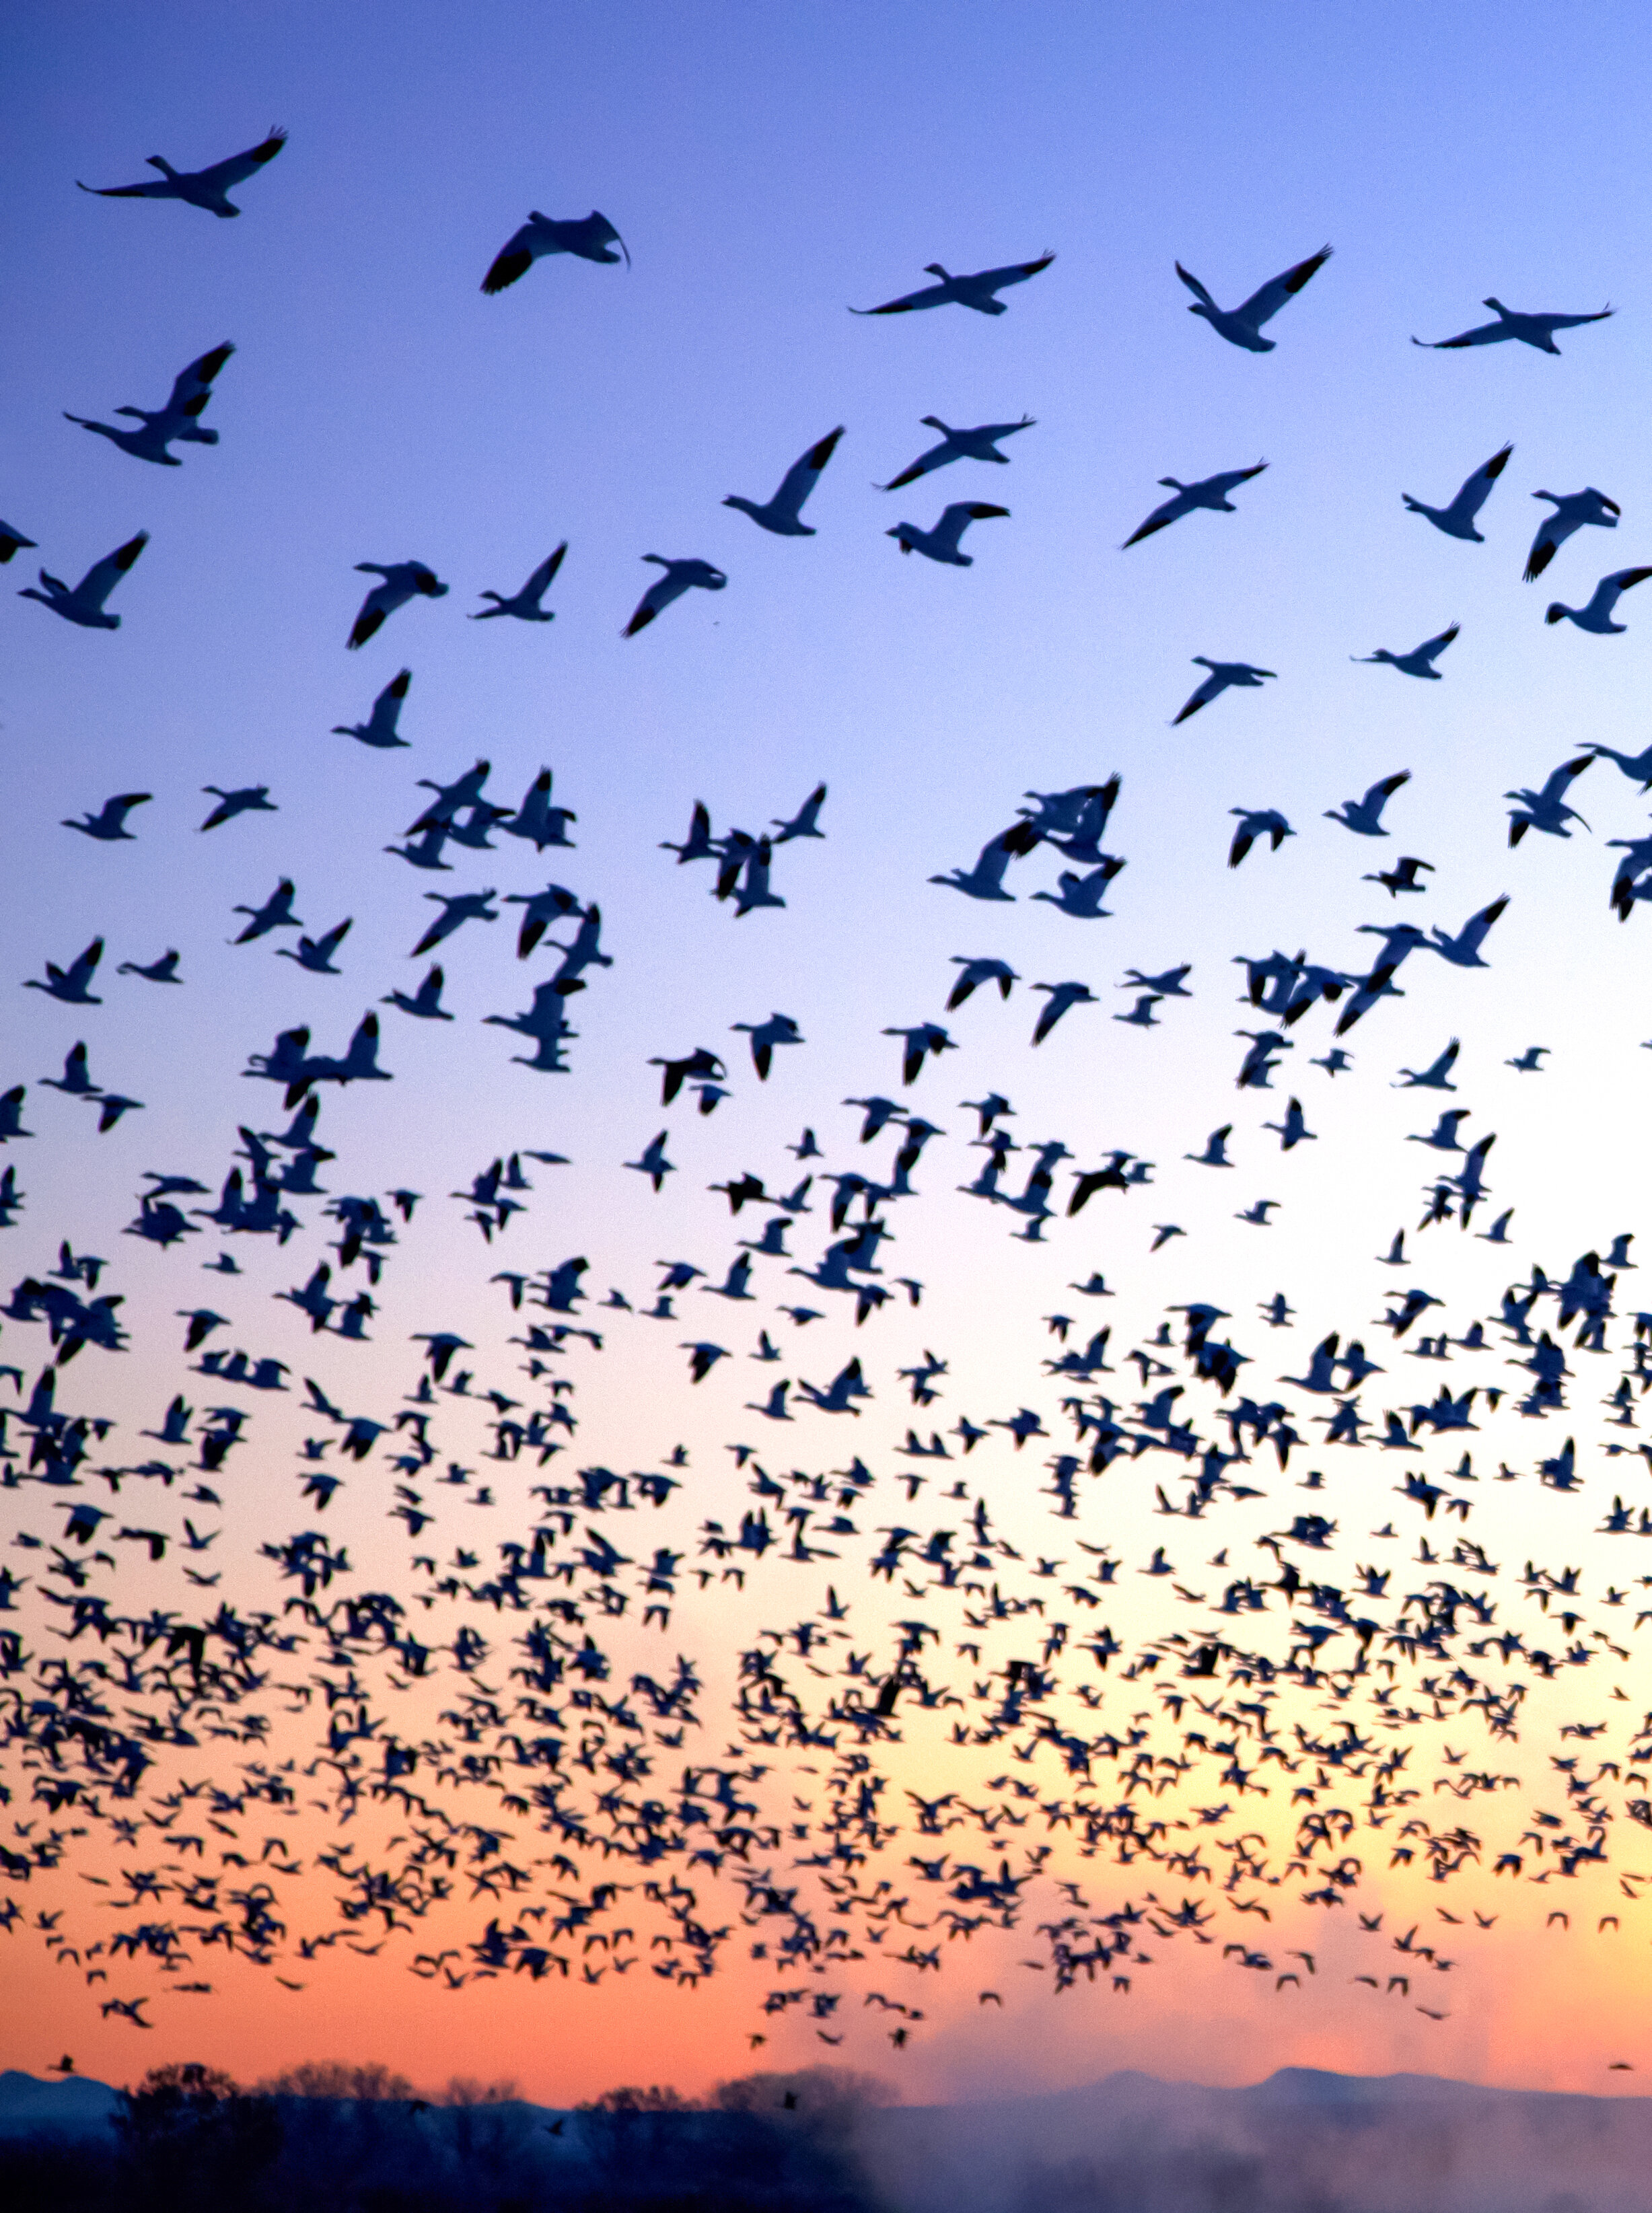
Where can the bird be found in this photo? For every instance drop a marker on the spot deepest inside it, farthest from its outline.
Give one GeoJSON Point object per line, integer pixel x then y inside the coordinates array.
{"type": "Point", "coordinates": [1257, 1213]}
{"type": "Point", "coordinates": [249, 799]}
{"type": "Point", "coordinates": [108, 825]}
{"type": "Point", "coordinates": [1572, 511]}
{"type": "Point", "coordinates": [316, 954]}
{"type": "Point", "coordinates": [525, 604]}
{"type": "Point", "coordinates": [1436, 1076]}
{"type": "Point", "coordinates": [1547, 809]}
{"type": "Point", "coordinates": [940, 544]}
{"type": "Point", "coordinates": [380, 727]}
{"type": "Point", "coordinates": [1256, 822]}
{"type": "Point", "coordinates": [978, 291]}
{"type": "Point", "coordinates": [1223, 673]}
{"type": "Point", "coordinates": [84, 605]}
{"type": "Point", "coordinates": [1420, 661]}
{"type": "Point", "coordinates": [1402, 877]}
{"type": "Point", "coordinates": [1462, 950]}
{"type": "Point", "coordinates": [163, 971]}
{"type": "Point", "coordinates": [781, 514]}
{"type": "Point", "coordinates": [588, 237]}
{"type": "Point", "coordinates": [984, 880]}
{"type": "Point", "coordinates": [1209, 492]}
{"type": "Point", "coordinates": [402, 581]}
{"type": "Point", "coordinates": [179, 419]}
{"type": "Point", "coordinates": [1457, 520]}
{"type": "Point", "coordinates": [206, 188]}
{"type": "Point", "coordinates": [653, 1162]}
{"type": "Point", "coordinates": [1061, 996]}
{"type": "Point", "coordinates": [1364, 816]}
{"type": "Point", "coordinates": [1243, 326]}
{"type": "Point", "coordinates": [1081, 896]}
{"type": "Point", "coordinates": [779, 1029]}
{"type": "Point", "coordinates": [679, 576]}
{"type": "Point", "coordinates": [978, 444]}
{"type": "Point", "coordinates": [1531, 330]}
{"type": "Point", "coordinates": [69, 985]}
{"type": "Point", "coordinates": [1529, 1063]}
{"type": "Point", "coordinates": [1597, 617]}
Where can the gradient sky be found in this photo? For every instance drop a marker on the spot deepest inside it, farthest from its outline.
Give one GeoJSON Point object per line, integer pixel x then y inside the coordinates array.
{"type": "Point", "coordinates": [768, 168]}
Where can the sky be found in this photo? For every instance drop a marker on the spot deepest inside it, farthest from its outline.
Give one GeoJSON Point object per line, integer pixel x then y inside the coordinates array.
{"type": "Point", "coordinates": [768, 170]}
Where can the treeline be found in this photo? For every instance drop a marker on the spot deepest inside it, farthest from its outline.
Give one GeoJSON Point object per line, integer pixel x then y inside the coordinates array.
{"type": "Point", "coordinates": [189, 2139]}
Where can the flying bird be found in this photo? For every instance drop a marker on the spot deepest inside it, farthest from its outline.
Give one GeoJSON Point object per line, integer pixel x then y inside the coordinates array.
{"type": "Point", "coordinates": [1597, 617]}
{"type": "Point", "coordinates": [980, 291]}
{"type": "Point", "coordinates": [940, 544]}
{"type": "Point", "coordinates": [589, 237]}
{"type": "Point", "coordinates": [179, 419]}
{"type": "Point", "coordinates": [1531, 330]}
{"type": "Point", "coordinates": [108, 825]}
{"type": "Point", "coordinates": [1457, 520]}
{"type": "Point", "coordinates": [85, 604]}
{"type": "Point", "coordinates": [1572, 511]}
{"type": "Point", "coordinates": [979, 444]}
{"type": "Point", "coordinates": [1209, 492]}
{"type": "Point", "coordinates": [679, 576]}
{"type": "Point", "coordinates": [203, 188]}
{"type": "Point", "coordinates": [1420, 661]}
{"type": "Point", "coordinates": [380, 727]}
{"type": "Point", "coordinates": [1256, 822]}
{"type": "Point", "coordinates": [781, 514]}
{"type": "Point", "coordinates": [1364, 816]}
{"type": "Point", "coordinates": [1243, 326]}
{"type": "Point", "coordinates": [1223, 673]}
{"type": "Point", "coordinates": [402, 581]}
{"type": "Point", "coordinates": [525, 604]}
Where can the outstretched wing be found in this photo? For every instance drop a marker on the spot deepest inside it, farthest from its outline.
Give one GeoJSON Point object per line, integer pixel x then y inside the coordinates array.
{"type": "Point", "coordinates": [1476, 490]}
{"type": "Point", "coordinates": [101, 579]}
{"type": "Point", "coordinates": [514, 260]}
{"type": "Point", "coordinates": [1571, 322]}
{"type": "Point", "coordinates": [1196, 288]}
{"type": "Point", "coordinates": [1482, 334]}
{"type": "Point", "coordinates": [1386, 789]}
{"type": "Point", "coordinates": [994, 280]}
{"type": "Point", "coordinates": [544, 574]}
{"type": "Point", "coordinates": [659, 595]}
{"type": "Point", "coordinates": [929, 295]}
{"type": "Point", "coordinates": [804, 473]}
{"type": "Point", "coordinates": [1550, 535]}
{"type": "Point", "coordinates": [159, 188]}
{"type": "Point", "coordinates": [1265, 303]}
{"type": "Point", "coordinates": [239, 167]}
{"type": "Point", "coordinates": [1626, 578]}
{"type": "Point", "coordinates": [193, 387]}
{"type": "Point", "coordinates": [1433, 648]}
{"type": "Point", "coordinates": [934, 459]}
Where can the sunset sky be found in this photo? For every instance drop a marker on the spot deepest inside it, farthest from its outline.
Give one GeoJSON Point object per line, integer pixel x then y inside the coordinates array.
{"type": "Point", "coordinates": [768, 170]}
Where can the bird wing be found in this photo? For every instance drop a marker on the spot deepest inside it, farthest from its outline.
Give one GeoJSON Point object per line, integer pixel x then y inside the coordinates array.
{"type": "Point", "coordinates": [1265, 303]}
{"type": "Point", "coordinates": [1553, 533]}
{"type": "Point", "coordinates": [930, 295]}
{"type": "Point", "coordinates": [1432, 648]}
{"type": "Point", "coordinates": [1571, 322]}
{"type": "Point", "coordinates": [1482, 334]}
{"type": "Point", "coordinates": [659, 595]}
{"type": "Point", "coordinates": [101, 579]}
{"type": "Point", "coordinates": [192, 386]}
{"type": "Point", "coordinates": [543, 576]}
{"type": "Point", "coordinates": [804, 473]}
{"type": "Point", "coordinates": [1624, 579]}
{"type": "Point", "coordinates": [1167, 512]}
{"type": "Point", "coordinates": [514, 260]}
{"type": "Point", "coordinates": [1240, 846]}
{"type": "Point", "coordinates": [1016, 273]}
{"type": "Point", "coordinates": [370, 616]}
{"type": "Point", "coordinates": [1475, 490]}
{"type": "Point", "coordinates": [239, 167]}
{"type": "Point", "coordinates": [937, 457]}
{"type": "Point", "coordinates": [1386, 789]}
{"type": "Point", "coordinates": [159, 188]}
{"type": "Point", "coordinates": [1196, 288]}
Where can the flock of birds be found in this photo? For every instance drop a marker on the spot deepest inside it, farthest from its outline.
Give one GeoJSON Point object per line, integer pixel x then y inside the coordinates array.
{"type": "Point", "coordinates": [494, 1761]}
